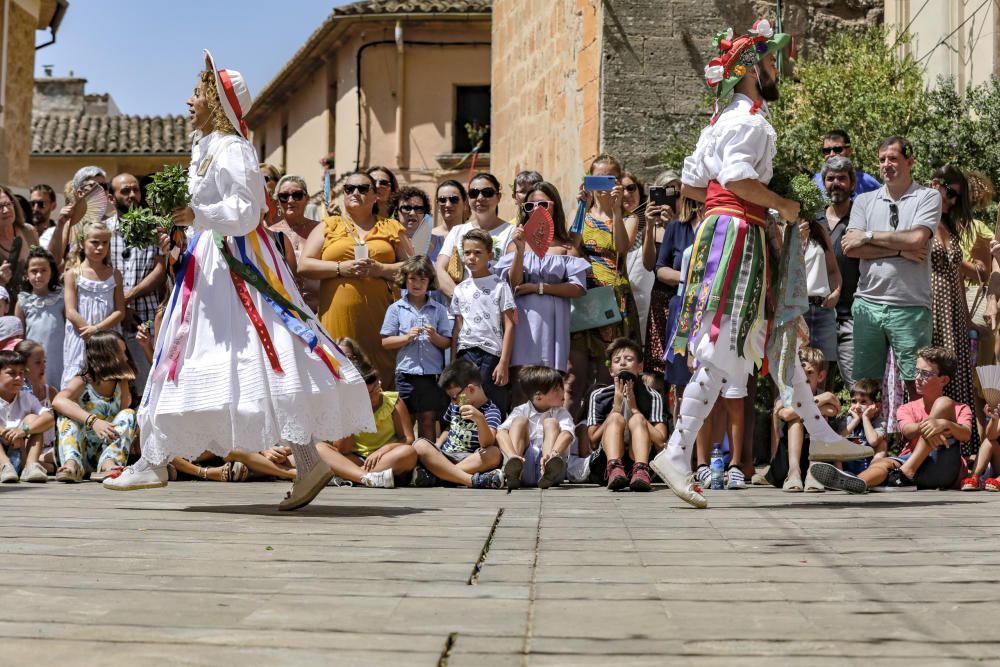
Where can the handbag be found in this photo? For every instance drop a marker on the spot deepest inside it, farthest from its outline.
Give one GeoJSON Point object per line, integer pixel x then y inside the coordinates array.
{"type": "Point", "coordinates": [597, 308]}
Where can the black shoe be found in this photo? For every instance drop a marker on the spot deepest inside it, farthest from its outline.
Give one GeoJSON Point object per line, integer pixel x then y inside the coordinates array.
{"type": "Point", "coordinates": [598, 467]}
{"type": "Point", "coordinates": [898, 481]}
{"type": "Point", "coordinates": [833, 478]}
{"type": "Point", "coordinates": [422, 478]}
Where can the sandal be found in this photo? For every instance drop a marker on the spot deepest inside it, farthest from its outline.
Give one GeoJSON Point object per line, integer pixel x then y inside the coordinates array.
{"type": "Point", "coordinates": [235, 471]}
{"type": "Point", "coordinates": [70, 473]}
{"type": "Point", "coordinates": [792, 486]}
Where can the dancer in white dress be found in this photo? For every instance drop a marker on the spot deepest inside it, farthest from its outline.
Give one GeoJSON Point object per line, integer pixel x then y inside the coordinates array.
{"type": "Point", "coordinates": [240, 360]}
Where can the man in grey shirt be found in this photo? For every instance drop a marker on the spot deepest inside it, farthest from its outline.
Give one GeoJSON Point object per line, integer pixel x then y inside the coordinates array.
{"type": "Point", "coordinates": [890, 232]}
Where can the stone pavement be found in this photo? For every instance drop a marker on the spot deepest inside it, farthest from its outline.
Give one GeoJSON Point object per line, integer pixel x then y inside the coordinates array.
{"type": "Point", "coordinates": [210, 574]}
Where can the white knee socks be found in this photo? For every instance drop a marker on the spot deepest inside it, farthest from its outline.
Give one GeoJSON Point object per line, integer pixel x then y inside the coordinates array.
{"type": "Point", "coordinates": [699, 397]}
{"type": "Point", "coordinates": [306, 457]}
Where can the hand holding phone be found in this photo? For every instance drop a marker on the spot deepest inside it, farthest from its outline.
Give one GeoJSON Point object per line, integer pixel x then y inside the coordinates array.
{"type": "Point", "coordinates": [599, 183]}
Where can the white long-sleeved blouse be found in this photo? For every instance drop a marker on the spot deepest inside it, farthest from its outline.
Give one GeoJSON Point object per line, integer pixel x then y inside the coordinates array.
{"type": "Point", "coordinates": [740, 145]}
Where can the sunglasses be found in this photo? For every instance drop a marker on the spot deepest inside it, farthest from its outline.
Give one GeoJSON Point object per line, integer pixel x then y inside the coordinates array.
{"type": "Point", "coordinates": [487, 193]}
{"type": "Point", "coordinates": [951, 194]}
{"type": "Point", "coordinates": [298, 195]}
{"type": "Point", "coordinates": [350, 189]}
{"type": "Point", "coordinates": [453, 199]}
{"type": "Point", "coordinates": [382, 183]}
{"type": "Point", "coordinates": [268, 179]}
{"type": "Point", "coordinates": [529, 206]}
{"type": "Point", "coordinates": [631, 187]}
{"type": "Point", "coordinates": [37, 204]}
{"type": "Point", "coordinates": [827, 150]}
{"type": "Point", "coordinates": [926, 375]}
{"type": "Point", "coordinates": [406, 208]}
{"type": "Point", "coordinates": [893, 216]}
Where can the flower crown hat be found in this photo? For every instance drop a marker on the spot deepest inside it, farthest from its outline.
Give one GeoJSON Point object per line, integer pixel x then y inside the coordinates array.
{"type": "Point", "coordinates": [738, 56]}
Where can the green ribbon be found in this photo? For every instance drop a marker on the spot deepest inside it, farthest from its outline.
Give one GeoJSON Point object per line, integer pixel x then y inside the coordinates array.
{"type": "Point", "coordinates": [255, 279]}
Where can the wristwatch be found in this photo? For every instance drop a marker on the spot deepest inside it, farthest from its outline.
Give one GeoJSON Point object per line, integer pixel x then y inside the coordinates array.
{"type": "Point", "coordinates": [541, 288]}
{"type": "Point", "coordinates": [869, 236]}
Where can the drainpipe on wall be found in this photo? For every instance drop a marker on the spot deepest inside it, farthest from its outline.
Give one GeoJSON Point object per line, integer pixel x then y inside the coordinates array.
{"type": "Point", "coordinates": [400, 93]}
{"type": "Point", "coordinates": [3, 61]}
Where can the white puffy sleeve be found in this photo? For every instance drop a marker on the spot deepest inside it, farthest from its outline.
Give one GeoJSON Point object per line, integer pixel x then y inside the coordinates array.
{"type": "Point", "coordinates": [695, 172]}
{"type": "Point", "coordinates": [743, 149]}
{"type": "Point", "coordinates": [230, 199]}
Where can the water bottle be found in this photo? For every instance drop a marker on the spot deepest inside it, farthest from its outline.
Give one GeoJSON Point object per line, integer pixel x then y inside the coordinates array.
{"type": "Point", "coordinates": [717, 465]}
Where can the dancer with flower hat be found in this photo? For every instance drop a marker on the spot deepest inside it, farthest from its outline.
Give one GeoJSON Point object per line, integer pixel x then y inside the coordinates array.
{"type": "Point", "coordinates": [240, 360]}
{"type": "Point", "coordinates": [723, 321]}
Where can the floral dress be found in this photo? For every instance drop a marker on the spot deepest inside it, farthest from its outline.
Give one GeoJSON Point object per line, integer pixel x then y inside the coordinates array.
{"type": "Point", "coordinates": [83, 446]}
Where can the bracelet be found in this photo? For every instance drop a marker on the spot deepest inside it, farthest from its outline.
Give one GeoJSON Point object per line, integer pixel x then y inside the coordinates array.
{"type": "Point", "coordinates": [541, 288]}
{"type": "Point", "coordinates": [25, 429]}
{"type": "Point", "coordinates": [89, 424]}
{"type": "Point", "coordinates": [338, 269]}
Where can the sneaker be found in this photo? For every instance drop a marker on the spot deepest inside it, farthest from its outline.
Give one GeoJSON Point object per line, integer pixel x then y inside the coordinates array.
{"type": "Point", "coordinates": [553, 473]}
{"type": "Point", "coordinates": [683, 485]}
{"type": "Point", "coordinates": [492, 479]}
{"type": "Point", "coordinates": [736, 480]}
{"type": "Point", "coordinates": [970, 483]}
{"type": "Point", "coordinates": [992, 484]}
{"type": "Point", "coordinates": [141, 475]}
{"type": "Point", "coordinates": [598, 465]}
{"type": "Point", "coordinates": [8, 475]}
{"type": "Point", "coordinates": [512, 468]}
{"type": "Point", "coordinates": [378, 480]}
{"type": "Point", "coordinates": [304, 489]}
{"type": "Point", "coordinates": [833, 478]}
{"type": "Point", "coordinates": [703, 475]}
{"type": "Point", "coordinates": [841, 450]}
{"type": "Point", "coordinates": [617, 479]}
{"type": "Point", "coordinates": [813, 485]}
{"type": "Point", "coordinates": [897, 481]}
{"type": "Point", "coordinates": [35, 473]}
{"type": "Point", "coordinates": [641, 480]}
{"type": "Point", "coordinates": [422, 478]}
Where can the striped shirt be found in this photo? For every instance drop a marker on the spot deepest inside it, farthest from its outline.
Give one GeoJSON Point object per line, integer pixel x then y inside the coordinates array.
{"type": "Point", "coordinates": [649, 403]}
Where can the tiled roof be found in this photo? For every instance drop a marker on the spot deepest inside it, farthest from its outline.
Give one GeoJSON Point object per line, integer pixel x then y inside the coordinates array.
{"type": "Point", "coordinates": [80, 134]}
{"type": "Point", "coordinates": [414, 7]}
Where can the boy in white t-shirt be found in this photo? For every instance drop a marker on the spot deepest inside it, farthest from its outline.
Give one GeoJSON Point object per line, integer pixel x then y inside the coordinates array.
{"type": "Point", "coordinates": [23, 420]}
{"type": "Point", "coordinates": [536, 437]}
{"type": "Point", "coordinates": [484, 310]}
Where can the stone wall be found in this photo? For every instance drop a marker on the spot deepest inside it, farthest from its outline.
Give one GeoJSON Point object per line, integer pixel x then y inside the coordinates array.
{"type": "Point", "coordinates": [19, 91]}
{"type": "Point", "coordinates": [654, 53]}
{"type": "Point", "coordinates": [545, 90]}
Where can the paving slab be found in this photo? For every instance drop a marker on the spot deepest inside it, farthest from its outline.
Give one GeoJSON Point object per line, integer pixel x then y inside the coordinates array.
{"type": "Point", "coordinates": [208, 574]}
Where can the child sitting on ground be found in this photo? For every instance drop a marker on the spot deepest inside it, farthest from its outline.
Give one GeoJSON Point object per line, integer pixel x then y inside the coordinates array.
{"type": "Point", "coordinates": [536, 437]}
{"type": "Point", "coordinates": [24, 420]}
{"type": "Point", "coordinates": [933, 425]}
{"type": "Point", "coordinates": [626, 410]}
{"type": "Point", "coordinates": [375, 459]}
{"type": "Point", "coordinates": [465, 453]}
{"type": "Point", "coordinates": [790, 462]}
{"type": "Point", "coordinates": [419, 328]}
{"type": "Point", "coordinates": [989, 455]}
{"type": "Point", "coordinates": [96, 427]}
{"type": "Point", "coordinates": [864, 424]}
{"type": "Point", "coordinates": [35, 374]}
{"type": "Point", "coordinates": [484, 311]}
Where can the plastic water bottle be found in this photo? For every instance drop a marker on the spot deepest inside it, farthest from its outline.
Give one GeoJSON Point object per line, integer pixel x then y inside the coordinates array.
{"type": "Point", "coordinates": [717, 465]}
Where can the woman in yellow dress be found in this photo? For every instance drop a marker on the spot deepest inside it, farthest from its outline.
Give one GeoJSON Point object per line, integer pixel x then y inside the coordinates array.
{"type": "Point", "coordinates": [355, 257]}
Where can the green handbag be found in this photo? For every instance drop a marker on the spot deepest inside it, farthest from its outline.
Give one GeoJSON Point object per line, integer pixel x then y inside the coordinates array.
{"type": "Point", "coordinates": [597, 308]}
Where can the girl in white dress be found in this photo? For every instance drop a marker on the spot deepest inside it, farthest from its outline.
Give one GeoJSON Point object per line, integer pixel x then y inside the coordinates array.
{"type": "Point", "coordinates": [95, 299]}
{"type": "Point", "coordinates": [240, 360]}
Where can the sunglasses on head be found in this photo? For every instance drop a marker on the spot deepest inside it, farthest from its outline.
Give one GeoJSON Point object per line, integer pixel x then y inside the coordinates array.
{"type": "Point", "coordinates": [487, 193]}
{"type": "Point", "coordinates": [382, 182]}
{"type": "Point", "coordinates": [406, 208]}
{"type": "Point", "coordinates": [362, 189]}
{"type": "Point", "coordinates": [452, 199]}
{"type": "Point", "coordinates": [298, 195]}
{"type": "Point", "coordinates": [529, 206]}
{"type": "Point", "coordinates": [827, 150]}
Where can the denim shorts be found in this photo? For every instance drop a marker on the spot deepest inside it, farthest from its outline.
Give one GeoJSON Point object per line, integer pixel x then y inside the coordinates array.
{"type": "Point", "coordinates": [822, 323]}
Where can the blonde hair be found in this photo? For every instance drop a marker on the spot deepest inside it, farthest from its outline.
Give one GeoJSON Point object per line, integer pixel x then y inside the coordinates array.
{"type": "Point", "coordinates": [220, 121]}
{"type": "Point", "coordinates": [93, 227]}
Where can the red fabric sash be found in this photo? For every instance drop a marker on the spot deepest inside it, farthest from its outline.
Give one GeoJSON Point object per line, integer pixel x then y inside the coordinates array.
{"type": "Point", "coordinates": [718, 197]}
{"type": "Point", "coordinates": [258, 323]}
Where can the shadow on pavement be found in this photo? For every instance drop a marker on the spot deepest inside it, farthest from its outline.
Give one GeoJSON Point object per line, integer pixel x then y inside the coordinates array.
{"type": "Point", "coordinates": [347, 511]}
{"type": "Point", "coordinates": [868, 502]}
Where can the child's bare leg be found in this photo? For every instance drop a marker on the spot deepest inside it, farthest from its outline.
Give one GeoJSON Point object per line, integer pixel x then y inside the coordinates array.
{"type": "Point", "coordinates": [401, 459]}
{"type": "Point", "coordinates": [440, 465]}
{"type": "Point", "coordinates": [514, 442]}
{"type": "Point", "coordinates": [477, 462]}
{"type": "Point", "coordinates": [734, 413]}
{"type": "Point", "coordinates": [3, 455]}
{"type": "Point", "coordinates": [710, 432]}
{"type": "Point", "coordinates": [261, 465]}
{"type": "Point", "coordinates": [796, 440]}
{"type": "Point", "coordinates": [639, 430]}
{"type": "Point", "coordinates": [983, 458]}
{"type": "Point", "coordinates": [550, 433]}
{"type": "Point", "coordinates": [943, 408]}
{"type": "Point", "coordinates": [613, 439]}
{"type": "Point", "coordinates": [877, 471]}
{"type": "Point", "coordinates": [426, 425]}
{"type": "Point", "coordinates": [34, 451]}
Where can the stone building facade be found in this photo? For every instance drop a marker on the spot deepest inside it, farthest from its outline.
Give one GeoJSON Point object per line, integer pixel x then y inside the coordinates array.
{"type": "Point", "coordinates": [573, 78]}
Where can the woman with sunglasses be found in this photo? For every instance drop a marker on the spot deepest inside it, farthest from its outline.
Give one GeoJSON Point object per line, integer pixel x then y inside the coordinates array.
{"type": "Point", "coordinates": [542, 287]}
{"type": "Point", "coordinates": [453, 209]}
{"type": "Point", "coordinates": [640, 278]}
{"type": "Point", "coordinates": [293, 229]}
{"type": "Point", "coordinates": [949, 309]}
{"type": "Point", "coordinates": [607, 236]}
{"type": "Point", "coordinates": [413, 212]}
{"type": "Point", "coordinates": [386, 190]}
{"type": "Point", "coordinates": [355, 257]}
{"type": "Point", "coordinates": [484, 198]}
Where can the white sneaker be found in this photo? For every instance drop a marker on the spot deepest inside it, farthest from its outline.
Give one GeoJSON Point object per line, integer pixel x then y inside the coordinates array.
{"type": "Point", "coordinates": [138, 476]}
{"type": "Point", "coordinates": [378, 480]}
{"type": "Point", "coordinates": [735, 479]}
{"type": "Point", "coordinates": [34, 473]}
{"type": "Point", "coordinates": [7, 474]}
{"type": "Point", "coordinates": [306, 488]}
{"type": "Point", "coordinates": [841, 450]}
{"type": "Point", "coordinates": [682, 485]}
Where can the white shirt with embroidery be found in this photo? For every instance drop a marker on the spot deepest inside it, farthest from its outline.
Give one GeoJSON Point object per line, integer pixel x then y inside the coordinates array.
{"type": "Point", "coordinates": [740, 145]}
